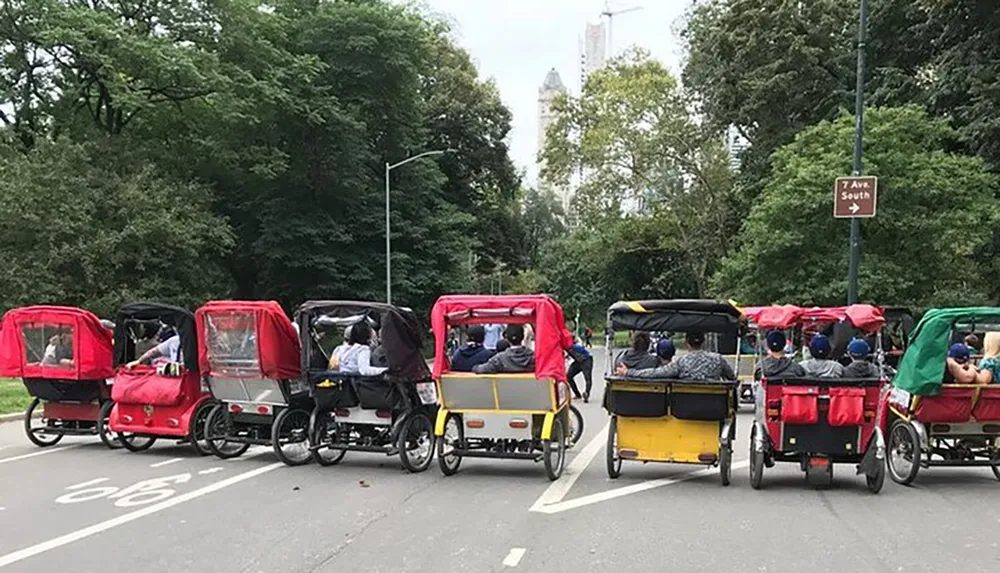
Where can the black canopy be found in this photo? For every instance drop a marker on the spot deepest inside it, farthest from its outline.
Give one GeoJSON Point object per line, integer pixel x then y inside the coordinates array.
{"type": "Point", "coordinates": [400, 333]}
{"type": "Point", "coordinates": [181, 319]}
{"type": "Point", "coordinates": [679, 315]}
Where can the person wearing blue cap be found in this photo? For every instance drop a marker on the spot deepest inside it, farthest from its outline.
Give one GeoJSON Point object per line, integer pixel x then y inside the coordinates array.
{"type": "Point", "coordinates": [776, 364]}
{"type": "Point", "coordinates": [859, 367]}
{"type": "Point", "coordinates": [960, 368]}
{"type": "Point", "coordinates": [667, 369]}
{"type": "Point", "coordinates": [819, 364]}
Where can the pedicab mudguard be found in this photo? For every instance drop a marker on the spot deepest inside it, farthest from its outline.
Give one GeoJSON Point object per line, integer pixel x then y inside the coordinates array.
{"type": "Point", "coordinates": [874, 456]}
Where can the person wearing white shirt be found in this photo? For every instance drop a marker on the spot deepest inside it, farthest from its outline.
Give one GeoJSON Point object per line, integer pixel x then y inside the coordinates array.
{"type": "Point", "coordinates": [169, 349]}
{"type": "Point", "coordinates": [356, 358]}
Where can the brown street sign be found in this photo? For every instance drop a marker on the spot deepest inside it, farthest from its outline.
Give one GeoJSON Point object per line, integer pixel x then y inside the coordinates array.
{"type": "Point", "coordinates": [855, 197]}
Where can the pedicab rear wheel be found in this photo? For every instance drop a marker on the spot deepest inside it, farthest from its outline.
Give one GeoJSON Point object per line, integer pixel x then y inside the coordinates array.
{"type": "Point", "coordinates": [903, 453]}
{"type": "Point", "coordinates": [103, 431]}
{"type": "Point", "coordinates": [614, 462]}
{"type": "Point", "coordinates": [320, 427]}
{"type": "Point", "coordinates": [416, 443]}
{"type": "Point", "coordinates": [726, 463]}
{"type": "Point", "coordinates": [453, 436]}
{"type": "Point", "coordinates": [876, 482]}
{"type": "Point", "coordinates": [996, 458]}
{"type": "Point", "coordinates": [218, 423]}
{"type": "Point", "coordinates": [575, 424]}
{"type": "Point", "coordinates": [756, 461]}
{"type": "Point", "coordinates": [196, 432]}
{"type": "Point", "coordinates": [554, 450]}
{"type": "Point", "coordinates": [290, 437]}
{"type": "Point", "coordinates": [135, 442]}
{"type": "Point", "coordinates": [35, 434]}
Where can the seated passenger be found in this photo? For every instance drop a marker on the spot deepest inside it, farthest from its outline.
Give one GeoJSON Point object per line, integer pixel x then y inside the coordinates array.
{"type": "Point", "coordinates": [989, 366]}
{"type": "Point", "coordinates": [859, 367]}
{"type": "Point", "coordinates": [973, 343]}
{"type": "Point", "coordinates": [665, 354]}
{"type": "Point", "coordinates": [638, 356]}
{"type": "Point", "coordinates": [379, 356]}
{"type": "Point", "coordinates": [338, 352]}
{"type": "Point", "coordinates": [820, 365]}
{"type": "Point", "coordinates": [59, 351]}
{"type": "Point", "coordinates": [473, 353]}
{"type": "Point", "coordinates": [517, 358]}
{"type": "Point", "coordinates": [501, 346]}
{"type": "Point", "coordinates": [961, 370]}
{"type": "Point", "coordinates": [776, 364]}
{"type": "Point", "coordinates": [168, 350]}
{"type": "Point", "coordinates": [356, 358]}
{"type": "Point", "coordinates": [700, 364]}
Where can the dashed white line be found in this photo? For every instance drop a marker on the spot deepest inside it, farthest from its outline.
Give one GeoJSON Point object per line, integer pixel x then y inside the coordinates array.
{"type": "Point", "coordinates": [39, 453]}
{"type": "Point", "coordinates": [514, 557]}
{"type": "Point", "coordinates": [71, 537]}
{"type": "Point", "coordinates": [166, 462]}
{"type": "Point", "coordinates": [86, 483]}
{"type": "Point", "coordinates": [210, 471]}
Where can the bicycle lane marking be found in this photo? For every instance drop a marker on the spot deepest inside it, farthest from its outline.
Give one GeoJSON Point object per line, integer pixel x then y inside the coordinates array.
{"type": "Point", "coordinates": [79, 534]}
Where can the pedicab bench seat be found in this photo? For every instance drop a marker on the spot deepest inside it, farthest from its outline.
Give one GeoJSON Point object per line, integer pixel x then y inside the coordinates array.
{"type": "Point", "coordinates": [705, 400]}
{"type": "Point", "coordinates": [959, 403]}
{"type": "Point", "coordinates": [332, 389]}
{"type": "Point", "coordinates": [467, 391]}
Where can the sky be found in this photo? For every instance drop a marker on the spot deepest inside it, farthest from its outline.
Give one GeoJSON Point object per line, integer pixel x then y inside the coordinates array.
{"type": "Point", "coordinates": [516, 42]}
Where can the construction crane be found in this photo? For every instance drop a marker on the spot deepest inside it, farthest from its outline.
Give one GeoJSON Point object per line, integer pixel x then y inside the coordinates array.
{"type": "Point", "coordinates": [610, 15]}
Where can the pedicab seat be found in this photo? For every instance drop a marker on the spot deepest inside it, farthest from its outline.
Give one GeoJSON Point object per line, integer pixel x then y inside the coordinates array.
{"type": "Point", "coordinates": [952, 405]}
{"type": "Point", "coordinates": [844, 400]}
{"type": "Point", "coordinates": [521, 391]}
{"type": "Point", "coordinates": [143, 385]}
{"type": "Point", "coordinates": [53, 390]}
{"type": "Point", "coordinates": [987, 408]}
{"type": "Point", "coordinates": [657, 397]}
{"type": "Point", "coordinates": [332, 389]}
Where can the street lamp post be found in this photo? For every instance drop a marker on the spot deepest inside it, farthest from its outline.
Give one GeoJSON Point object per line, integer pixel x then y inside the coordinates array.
{"type": "Point", "coordinates": [859, 114]}
{"type": "Point", "coordinates": [388, 240]}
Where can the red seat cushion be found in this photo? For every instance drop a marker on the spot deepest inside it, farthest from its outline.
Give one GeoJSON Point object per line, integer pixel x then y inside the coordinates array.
{"type": "Point", "coordinates": [951, 406]}
{"type": "Point", "coordinates": [146, 387]}
{"type": "Point", "coordinates": [988, 407]}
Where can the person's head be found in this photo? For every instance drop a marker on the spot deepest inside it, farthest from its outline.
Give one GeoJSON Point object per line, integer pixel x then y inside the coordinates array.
{"type": "Point", "coordinates": [502, 345]}
{"type": "Point", "coordinates": [820, 346]}
{"type": "Point", "coordinates": [361, 333]}
{"type": "Point", "coordinates": [959, 352]}
{"type": "Point", "coordinates": [858, 349]}
{"type": "Point", "coordinates": [776, 342]}
{"type": "Point", "coordinates": [991, 345]}
{"type": "Point", "coordinates": [640, 342]}
{"type": "Point", "coordinates": [347, 333]}
{"type": "Point", "coordinates": [665, 350]}
{"type": "Point", "coordinates": [972, 341]}
{"type": "Point", "coordinates": [165, 333]}
{"type": "Point", "coordinates": [694, 340]}
{"type": "Point", "coordinates": [514, 334]}
{"type": "Point", "coordinates": [476, 334]}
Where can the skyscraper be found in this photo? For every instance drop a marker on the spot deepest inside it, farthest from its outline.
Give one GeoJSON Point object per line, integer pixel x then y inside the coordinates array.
{"type": "Point", "coordinates": [735, 144]}
{"type": "Point", "coordinates": [593, 54]}
{"type": "Point", "coordinates": [547, 93]}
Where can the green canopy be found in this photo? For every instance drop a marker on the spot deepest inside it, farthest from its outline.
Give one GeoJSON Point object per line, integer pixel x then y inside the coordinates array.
{"type": "Point", "coordinates": [922, 368]}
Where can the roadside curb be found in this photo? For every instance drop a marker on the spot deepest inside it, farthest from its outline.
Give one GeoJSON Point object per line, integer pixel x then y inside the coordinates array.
{"type": "Point", "coordinates": [13, 417]}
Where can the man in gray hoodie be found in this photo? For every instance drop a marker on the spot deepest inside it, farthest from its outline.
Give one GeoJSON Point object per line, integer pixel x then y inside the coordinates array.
{"type": "Point", "coordinates": [517, 358]}
{"type": "Point", "coordinates": [819, 364]}
{"type": "Point", "coordinates": [776, 364]}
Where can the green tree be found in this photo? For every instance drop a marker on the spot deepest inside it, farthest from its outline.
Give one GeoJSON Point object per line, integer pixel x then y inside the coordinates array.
{"type": "Point", "coordinates": [936, 212]}
{"type": "Point", "coordinates": [543, 220]}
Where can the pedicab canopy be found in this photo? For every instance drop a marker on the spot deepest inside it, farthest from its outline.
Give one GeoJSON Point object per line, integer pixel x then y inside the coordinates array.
{"type": "Point", "coordinates": [921, 370]}
{"type": "Point", "coordinates": [181, 319]}
{"type": "Point", "coordinates": [250, 338]}
{"type": "Point", "coordinates": [399, 332]}
{"type": "Point", "coordinates": [681, 315]}
{"type": "Point", "coordinates": [54, 342]}
{"type": "Point", "coordinates": [541, 311]}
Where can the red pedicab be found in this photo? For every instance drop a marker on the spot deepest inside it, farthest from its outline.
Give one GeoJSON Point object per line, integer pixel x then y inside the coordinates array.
{"type": "Point", "coordinates": [249, 354]}
{"type": "Point", "coordinates": [168, 400]}
{"type": "Point", "coordinates": [63, 356]}
{"type": "Point", "coordinates": [818, 422]}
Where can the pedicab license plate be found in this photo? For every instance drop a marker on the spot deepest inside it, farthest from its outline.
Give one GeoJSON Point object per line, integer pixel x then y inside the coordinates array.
{"type": "Point", "coordinates": [427, 393]}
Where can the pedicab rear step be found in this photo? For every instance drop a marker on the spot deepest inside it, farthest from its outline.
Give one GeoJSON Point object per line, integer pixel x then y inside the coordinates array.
{"type": "Point", "coordinates": [533, 456]}
{"type": "Point", "coordinates": [387, 450]}
{"type": "Point", "coordinates": [65, 431]}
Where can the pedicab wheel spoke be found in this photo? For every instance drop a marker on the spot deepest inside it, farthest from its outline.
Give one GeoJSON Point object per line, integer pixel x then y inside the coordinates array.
{"type": "Point", "coordinates": [290, 437]}
{"type": "Point", "coordinates": [903, 456]}
{"type": "Point", "coordinates": [876, 482]}
{"type": "Point", "coordinates": [321, 425]}
{"type": "Point", "coordinates": [554, 450]}
{"type": "Point", "coordinates": [196, 433]}
{"type": "Point", "coordinates": [725, 463]}
{"type": "Point", "coordinates": [35, 432]}
{"type": "Point", "coordinates": [218, 426]}
{"type": "Point", "coordinates": [448, 460]}
{"type": "Point", "coordinates": [614, 462]}
{"type": "Point", "coordinates": [416, 443]}
{"type": "Point", "coordinates": [103, 431]}
{"type": "Point", "coordinates": [575, 424]}
{"type": "Point", "coordinates": [134, 442]}
{"type": "Point", "coordinates": [756, 461]}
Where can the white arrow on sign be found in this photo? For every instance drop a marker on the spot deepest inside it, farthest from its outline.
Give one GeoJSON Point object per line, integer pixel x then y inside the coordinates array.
{"type": "Point", "coordinates": [854, 208]}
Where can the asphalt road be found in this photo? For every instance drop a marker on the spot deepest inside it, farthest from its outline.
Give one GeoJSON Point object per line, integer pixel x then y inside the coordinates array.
{"type": "Point", "coordinates": [82, 508]}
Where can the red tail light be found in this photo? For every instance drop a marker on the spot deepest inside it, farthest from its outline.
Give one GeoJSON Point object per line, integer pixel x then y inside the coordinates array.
{"type": "Point", "coordinates": [518, 424]}
{"type": "Point", "coordinates": [707, 457]}
{"type": "Point", "coordinates": [235, 408]}
{"type": "Point", "coordinates": [342, 413]}
{"type": "Point", "coordinates": [383, 414]}
{"type": "Point", "coordinates": [475, 424]}
{"type": "Point", "coordinates": [819, 461]}
{"type": "Point", "coordinates": [628, 454]}
{"type": "Point", "coordinates": [263, 410]}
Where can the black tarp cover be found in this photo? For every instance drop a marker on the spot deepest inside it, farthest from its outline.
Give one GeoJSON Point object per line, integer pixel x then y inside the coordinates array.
{"type": "Point", "coordinates": [682, 315]}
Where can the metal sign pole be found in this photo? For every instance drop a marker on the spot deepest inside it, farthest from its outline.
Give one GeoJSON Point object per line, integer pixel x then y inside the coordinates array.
{"type": "Point", "coordinates": [859, 112]}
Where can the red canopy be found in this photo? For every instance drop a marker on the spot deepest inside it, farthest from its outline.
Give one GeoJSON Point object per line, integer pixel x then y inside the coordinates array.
{"type": "Point", "coordinates": [863, 316]}
{"type": "Point", "coordinates": [775, 316]}
{"type": "Point", "coordinates": [26, 333]}
{"type": "Point", "coordinates": [541, 311]}
{"type": "Point", "coordinates": [254, 336]}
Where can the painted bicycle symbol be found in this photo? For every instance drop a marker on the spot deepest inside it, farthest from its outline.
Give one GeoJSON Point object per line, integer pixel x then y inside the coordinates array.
{"type": "Point", "coordinates": [143, 492]}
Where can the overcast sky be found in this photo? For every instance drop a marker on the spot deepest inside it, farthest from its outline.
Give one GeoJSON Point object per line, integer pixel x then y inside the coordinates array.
{"type": "Point", "coordinates": [516, 42]}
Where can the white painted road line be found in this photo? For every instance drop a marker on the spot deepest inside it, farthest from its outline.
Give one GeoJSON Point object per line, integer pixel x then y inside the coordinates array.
{"type": "Point", "coordinates": [558, 489]}
{"type": "Point", "coordinates": [166, 462]}
{"type": "Point", "coordinates": [71, 537]}
{"type": "Point", "coordinates": [86, 483]}
{"type": "Point", "coordinates": [210, 471]}
{"type": "Point", "coordinates": [39, 453]}
{"type": "Point", "coordinates": [514, 557]}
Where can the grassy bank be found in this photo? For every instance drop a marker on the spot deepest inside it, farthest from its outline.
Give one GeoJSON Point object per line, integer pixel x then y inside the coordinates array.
{"type": "Point", "coordinates": [13, 396]}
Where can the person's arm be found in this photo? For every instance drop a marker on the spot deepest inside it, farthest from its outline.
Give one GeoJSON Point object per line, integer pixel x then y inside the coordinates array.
{"type": "Point", "coordinates": [727, 370]}
{"type": "Point", "coordinates": [960, 373]}
{"type": "Point", "coordinates": [491, 366]}
{"type": "Point", "coordinates": [154, 352]}
{"type": "Point", "coordinates": [365, 367]}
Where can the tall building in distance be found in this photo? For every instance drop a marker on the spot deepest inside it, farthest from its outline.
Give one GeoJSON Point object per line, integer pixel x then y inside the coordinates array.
{"type": "Point", "coordinates": [593, 50]}
{"type": "Point", "coordinates": [735, 144]}
{"type": "Point", "coordinates": [547, 93]}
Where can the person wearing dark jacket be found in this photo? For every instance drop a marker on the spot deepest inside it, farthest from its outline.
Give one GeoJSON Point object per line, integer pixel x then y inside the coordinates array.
{"type": "Point", "coordinates": [665, 367]}
{"type": "Point", "coordinates": [473, 353]}
{"type": "Point", "coordinates": [583, 361]}
{"type": "Point", "coordinates": [638, 356]}
{"type": "Point", "coordinates": [776, 364]}
{"type": "Point", "coordinates": [517, 358]}
{"type": "Point", "coordinates": [859, 367]}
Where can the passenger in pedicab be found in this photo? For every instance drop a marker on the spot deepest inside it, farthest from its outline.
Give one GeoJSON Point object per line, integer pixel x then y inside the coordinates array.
{"type": "Point", "coordinates": [473, 353]}
{"type": "Point", "coordinates": [501, 346]}
{"type": "Point", "coordinates": [356, 359]}
{"type": "Point", "coordinates": [59, 351]}
{"type": "Point", "coordinates": [338, 352]}
{"type": "Point", "coordinates": [637, 356]}
{"type": "Point", "coordinates": [168, 350]}
{"type": "Point", "coordinates": [665, 368]}
{"type": "Point", "coordinates": [697, 364]}
{"type": "Point", "coordinates": [860, 367]}
{"type": "Point", "coordinates": [960, 368]}
{"type": "Point", "coordinates": [776, 364]}
{"type": "Point", "coordinates": [973, 343]}
{"type": "Point", "coordinates": [517, 358]}
{"type": "Point", "coordinates": [989, 366]}
{"type": "Point", "coordinates": [819, 363]}
{"type": "Point", "coordinates": [582, 362]}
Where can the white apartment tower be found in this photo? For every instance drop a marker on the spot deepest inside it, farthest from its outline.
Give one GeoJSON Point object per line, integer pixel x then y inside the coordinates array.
{"type": "Point", "coordinates": [735, 144]}
{"type": "Point", "coordinates": [547, 93]}
{"type": "Point", "coordinates": [593, 51]}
